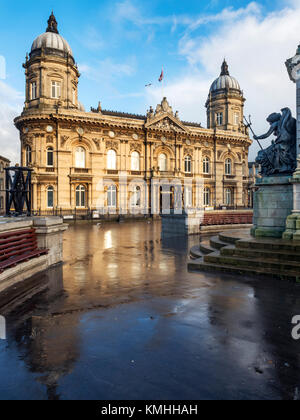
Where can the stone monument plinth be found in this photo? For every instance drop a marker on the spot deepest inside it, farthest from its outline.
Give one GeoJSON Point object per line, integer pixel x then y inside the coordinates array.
{"type": "Point", "coordinates": [293, 221]}
{"type": "Point", "coordinates": [273, 203]}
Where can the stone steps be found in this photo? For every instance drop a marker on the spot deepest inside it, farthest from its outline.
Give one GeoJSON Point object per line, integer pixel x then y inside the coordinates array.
{"type": "Point", "coordinates": [272, 245]}
{"type": "Point", "coordinates": [206, 248]}
{"type": "Point", "coordinates": [195, 252]}
{"type": "Point", "coordinates": [216, 243]}
{"type": "Point", "coordinates": [199, 265]}
{"type": "Point", "coordinates": [260, 253]}
{"type": "Point", "coordinates": [279, 266]}
{"type": "Point", "coordinates": [238, 253]}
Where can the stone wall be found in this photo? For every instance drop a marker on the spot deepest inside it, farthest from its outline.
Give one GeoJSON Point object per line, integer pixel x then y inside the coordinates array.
{"type": "Point", "coordinates": [228, 218]}
{"type": "Point", "coordinates": [49, 233]}
{"type": "Point", "coordinates": [199, 221]}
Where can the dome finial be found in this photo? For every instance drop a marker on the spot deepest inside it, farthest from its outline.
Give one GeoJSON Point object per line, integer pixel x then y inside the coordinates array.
{"type": "Point", "coordinates": [224, 69]}
{"type": "Point", "coordinates": [52, 24]}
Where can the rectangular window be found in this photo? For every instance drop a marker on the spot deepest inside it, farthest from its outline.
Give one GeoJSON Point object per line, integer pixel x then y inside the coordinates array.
{"type": "Point", "coordinates": [74, 96]}
{"type": "Point", "coordinates": [50, 198]}
{"type": "Point", "coordinates": [112, 197]}
{"type": "Point", "coordinates": [56, 90]}
{"type": "Point", "coordinates": [219, 118]}
{"type": "Point", "coordinates": [33, 90]}
{"type": "Point", "coordinates": [236, 118]}
{"type": "Point", "coordinates": [188, 197]}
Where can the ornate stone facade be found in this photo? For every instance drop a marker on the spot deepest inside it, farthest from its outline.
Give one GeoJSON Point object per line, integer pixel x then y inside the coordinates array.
{"type": "Point", "coordinates": [4, 163]}
{"type": "Point", "coordinates": [75, 153]}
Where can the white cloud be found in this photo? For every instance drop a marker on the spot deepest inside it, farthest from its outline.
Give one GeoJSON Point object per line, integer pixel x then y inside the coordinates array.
{"type": "Point", "coordinates": [256, 48]}
{"type": "Point", "coordinates": [108, 69]}
{"type": "Point", "coordinates": [92, 39]}
{"type": "Point", "coordinates": [11, 103]}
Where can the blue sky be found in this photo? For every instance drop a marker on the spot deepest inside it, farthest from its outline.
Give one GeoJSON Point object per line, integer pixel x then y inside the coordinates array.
{"type": "Point", "coordinates": [121, 45]}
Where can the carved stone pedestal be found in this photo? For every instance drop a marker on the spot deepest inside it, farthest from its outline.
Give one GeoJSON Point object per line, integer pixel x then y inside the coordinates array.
{"type": "Point", "coordinates": [273, 203]}
{"type": "Point", "coordinates": [293, 221]}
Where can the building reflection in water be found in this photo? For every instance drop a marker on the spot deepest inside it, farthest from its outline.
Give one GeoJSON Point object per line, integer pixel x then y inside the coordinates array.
{"type": "Point", "coordinates": [223, 322]}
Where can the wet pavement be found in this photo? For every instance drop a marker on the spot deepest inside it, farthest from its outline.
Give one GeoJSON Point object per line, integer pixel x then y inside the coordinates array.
{"type": "Point", "coordinates": [123, 319]}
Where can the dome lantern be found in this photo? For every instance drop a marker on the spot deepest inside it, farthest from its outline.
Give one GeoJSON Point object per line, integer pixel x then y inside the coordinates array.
{"type": "Point", "coordinates": [51, 42]}
{"type": "Point", "coordinates": [52, 24]}
{"type": "Point", "coordinates": [225, 104]}
{"type": "Point", "coordinates": [225, 81]}
{"type": "Point", "coordinates": [224, 69]}
{"type": "Point", "coordinates": [51, 72]}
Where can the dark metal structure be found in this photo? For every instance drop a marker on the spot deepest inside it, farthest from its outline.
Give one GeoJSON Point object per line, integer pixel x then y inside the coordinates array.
{"type": "Point", "coordinates": [281, 157]}
{"type": "Point", "coordinates": [18, 191]}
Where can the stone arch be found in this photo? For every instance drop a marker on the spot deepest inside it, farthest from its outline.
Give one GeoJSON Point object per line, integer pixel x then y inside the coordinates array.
{"type": "Point", "coordinates": [87, 145]}
{"type": "Point", "coordinates": [166, 150]}
{"type": "Point", "coordinates": [83, 141]}
{"type": "Point", "coordinates": [229, 155]}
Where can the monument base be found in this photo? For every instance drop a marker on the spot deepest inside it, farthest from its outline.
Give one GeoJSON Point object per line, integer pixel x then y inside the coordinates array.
{"type": "Point", "coordinates": [293, 221]}
{"type": "Point", "coordinates": [273, 203]}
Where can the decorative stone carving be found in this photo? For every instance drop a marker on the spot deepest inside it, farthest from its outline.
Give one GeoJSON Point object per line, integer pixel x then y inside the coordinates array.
{"type": "Point", "coordinates": [188, 151]}
{"type": "Point", "coordinates": [63, 140]}
{"type": "Point", "coordinates": [166, 124]}
{"type": "Point", "coordinates": [207, 152]}
{"type": "Point", "coordinates": [135, 146]}
{"type": "Point", "coordinates": [49, 139]}
{"type": "Point", "coordinates": [281, 156]}
{"type": "Point", "coordinates": [97, 143]}
{"type": "Point", "coordinates": [110, 144]}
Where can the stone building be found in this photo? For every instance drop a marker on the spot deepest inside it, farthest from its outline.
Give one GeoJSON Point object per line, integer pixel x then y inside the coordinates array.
{"type": "Point", "coordinates": [4, 163]}
{"type": "Point", "coordinates": [78, 156]}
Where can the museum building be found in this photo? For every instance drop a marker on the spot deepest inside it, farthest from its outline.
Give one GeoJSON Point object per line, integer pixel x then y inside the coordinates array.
{"type": "Point", "coordinates": [78, 158]}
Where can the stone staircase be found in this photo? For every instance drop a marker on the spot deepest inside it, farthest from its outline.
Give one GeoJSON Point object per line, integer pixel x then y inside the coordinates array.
{"type": "Point", "coordinates": [236, 252]}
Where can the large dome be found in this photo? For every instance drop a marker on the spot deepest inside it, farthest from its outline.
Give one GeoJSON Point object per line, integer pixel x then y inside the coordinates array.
{"type": "Point", "coordinates": [51, 41]}
{"type": "Point", "coordinates": [225, 81]}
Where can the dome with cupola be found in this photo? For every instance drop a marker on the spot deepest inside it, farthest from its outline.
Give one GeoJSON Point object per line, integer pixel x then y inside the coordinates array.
{"type": "Point", "coordinates": [225, 81]}
{"type": "Point", "coordinates": [51, 42]}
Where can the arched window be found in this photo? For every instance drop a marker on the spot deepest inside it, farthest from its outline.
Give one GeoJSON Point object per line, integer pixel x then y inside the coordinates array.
{"type": "Point", "coordinates": [188, 164]}
{"type": "Point", "coordinates": [50, 197]}
{"type": "Point", "coordinates": [80, 157]}
{"type": "Point", "coordinates": [50, 160]}
{"type": "Point", "coordinates": [228, 167]}
{"type": "Point", "coordinates": [162, 162]}
{"type": "Point", "coordinates": [28, 156]}
{"type": "Point", "coordinates": [228, 197]}
{"type": "Point", "coordinates": [112, 196]}
{"type": "Point", "coordinates": [135, 161]}
{"type": "Point", "coordinates": [206, 165]}
{"type": "Point", "coordinates": [80, 196]}
{"type": "Point", "coordinates": [111, 160]}
{"type": "Point", "coordinates": [206, 197]}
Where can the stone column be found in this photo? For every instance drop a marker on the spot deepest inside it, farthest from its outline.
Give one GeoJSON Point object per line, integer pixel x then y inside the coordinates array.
{"type": "Point", "coordinates": [49, 231]}
{"type": "Point", "coordinates": [293, 221]}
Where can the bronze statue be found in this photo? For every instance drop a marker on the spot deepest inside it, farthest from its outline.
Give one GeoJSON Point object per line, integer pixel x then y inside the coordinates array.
{"type": "Point", "coordinates": [281, 157]}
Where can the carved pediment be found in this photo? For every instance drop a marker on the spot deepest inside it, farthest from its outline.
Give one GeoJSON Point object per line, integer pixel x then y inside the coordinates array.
{"type": "Point", "coordinates": [164, 118]}
{"type": "Point", "coordinates": [166, 122]}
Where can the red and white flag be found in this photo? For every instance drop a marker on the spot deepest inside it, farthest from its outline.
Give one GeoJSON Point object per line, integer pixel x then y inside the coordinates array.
{"type": "Point", "coordinates": [161, 77]}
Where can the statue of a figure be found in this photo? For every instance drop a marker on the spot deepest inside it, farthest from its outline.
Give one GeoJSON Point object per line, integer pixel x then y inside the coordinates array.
{"type": "Point", "coordinates": [281, 157]}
